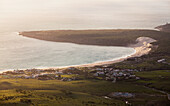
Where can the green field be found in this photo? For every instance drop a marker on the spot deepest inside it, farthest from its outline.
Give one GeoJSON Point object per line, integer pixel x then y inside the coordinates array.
{"type": "Point", "coordinates": [159, 79]}
{"type": "Point", "coordinates": [83, 92]}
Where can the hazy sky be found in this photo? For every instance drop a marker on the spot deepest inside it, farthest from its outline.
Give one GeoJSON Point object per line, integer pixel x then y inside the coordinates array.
{"type": "Point", "coordinates": [105, 12]}
{"type": "Point", "coordinates": [83, 6]}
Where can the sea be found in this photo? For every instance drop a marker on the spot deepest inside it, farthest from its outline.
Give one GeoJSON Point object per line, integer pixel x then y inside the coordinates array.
{"type": "Point", "coordinates": [18, 52]}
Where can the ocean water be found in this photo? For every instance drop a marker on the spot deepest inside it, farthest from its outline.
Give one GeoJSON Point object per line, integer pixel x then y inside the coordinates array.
{"type": "Point", "coordinates": [18, 52]}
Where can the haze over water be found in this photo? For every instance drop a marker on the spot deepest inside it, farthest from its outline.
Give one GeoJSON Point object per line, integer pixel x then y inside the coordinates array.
{"type": "Point", "coordinates": [82, 14]}
{"type": "Point", "coordinates": [23, 15]}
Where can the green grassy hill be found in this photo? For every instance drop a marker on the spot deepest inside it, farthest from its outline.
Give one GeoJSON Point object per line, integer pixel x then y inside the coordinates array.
{"type": "Point", "coordinates": [84, 92]}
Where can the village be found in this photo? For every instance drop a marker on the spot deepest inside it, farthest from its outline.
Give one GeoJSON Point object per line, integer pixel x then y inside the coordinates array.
{"type": "Point", "coordinates": [77, 73]}
{"type": "Point", "coordinates": [113, 75]}
{"type": "Point", "coordinates": [72, 73]}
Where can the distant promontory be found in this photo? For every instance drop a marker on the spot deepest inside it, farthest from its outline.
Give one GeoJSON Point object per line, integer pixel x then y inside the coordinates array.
{"type": "Point", "coordinates": [165, 28]}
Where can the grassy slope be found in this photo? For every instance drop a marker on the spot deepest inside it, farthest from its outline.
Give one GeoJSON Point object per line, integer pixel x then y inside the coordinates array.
{"type": "Point", "coordinates": [82, 92]}
{"type": "Point", "coordinates": [158, 79]}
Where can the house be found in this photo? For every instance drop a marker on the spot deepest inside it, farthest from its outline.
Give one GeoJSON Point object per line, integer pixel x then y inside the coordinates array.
{"type": "Point", "coordinates": [161, 60]}
{"type": "Point", "coordinates": [36, 75]}
{"type": "Point", "coordinates": [66, 79]}
{"type": "Point", "coordinates": [96, 74]}
{"type": "Point", "coordinates": [115, 74]}
{"type": "Point", "coordinates": [121, 94]}
{"type": "Point", "coordinates": [137, 78]}
{"type": "Point", "coordinates": [132, 76]}
{"type": "Point", "coordinates": [56, 76]}
{"type": "Point", "coordinates": [99, 73]}
{"type": "Point", "coordinates": [57, 72]}
{"type": "Point", "coordinates": [114, 80]}
{"type": "Point", "coordinates": [107, 78]}
{"type": "Point", "coordinates": [120, 74]}
{"type": "Point", "coordinates": [27, 77]}
{"type": "Point", "coordinates": [99, 69]}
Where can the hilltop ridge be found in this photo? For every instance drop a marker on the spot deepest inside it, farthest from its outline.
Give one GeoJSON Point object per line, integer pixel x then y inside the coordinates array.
{"type": "Point", "coordinates": [164, 28]}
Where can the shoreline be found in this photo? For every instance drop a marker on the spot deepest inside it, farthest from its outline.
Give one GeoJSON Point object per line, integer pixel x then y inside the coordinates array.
{"type": "Point", "coordinates": [80, 65]}
{"type": "Point", "coordinates": [142, 47]}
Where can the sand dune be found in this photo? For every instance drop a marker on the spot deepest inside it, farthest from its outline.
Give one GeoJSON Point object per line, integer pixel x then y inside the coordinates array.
{"type": "Point", "coordinates": [143, 46]}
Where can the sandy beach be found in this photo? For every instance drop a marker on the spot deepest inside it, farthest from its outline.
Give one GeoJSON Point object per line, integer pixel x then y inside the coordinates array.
{"type": "Point", "coordinates": [142, 47]}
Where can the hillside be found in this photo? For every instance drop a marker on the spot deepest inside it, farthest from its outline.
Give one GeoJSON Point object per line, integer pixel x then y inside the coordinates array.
{"type": "Point", "coordinates": [165, 28]}
{"type": "Point", "coordinates": [100, 37]}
